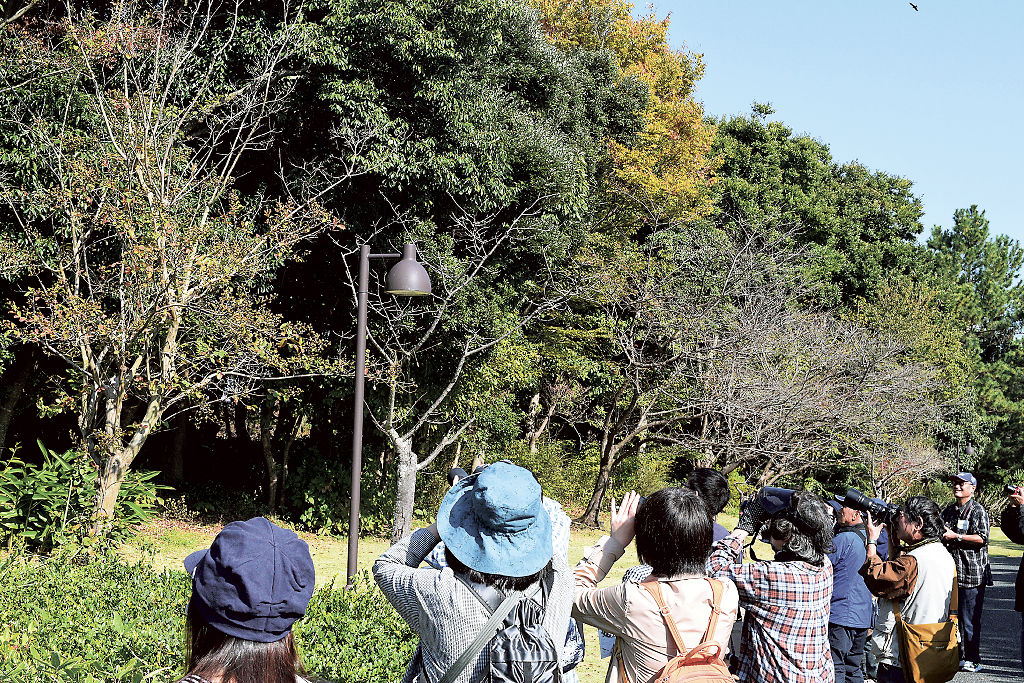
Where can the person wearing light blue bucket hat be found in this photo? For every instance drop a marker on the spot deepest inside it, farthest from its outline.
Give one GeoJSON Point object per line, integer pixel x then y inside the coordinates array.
{"type": "Point", "coordinates": [494, 522]}
{"type": "Point", "coordinates": [497, 537]}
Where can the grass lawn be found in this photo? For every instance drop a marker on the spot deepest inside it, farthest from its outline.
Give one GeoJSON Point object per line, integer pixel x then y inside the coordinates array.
{"type": "Point", "coordinates": [167, 543]}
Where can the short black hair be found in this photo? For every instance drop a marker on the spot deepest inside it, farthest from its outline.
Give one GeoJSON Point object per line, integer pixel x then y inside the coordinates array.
{"type": "Point", "coordinates": [927, 510]}
{"type": "Point", "coordinates": [806, 529]}
{"type": "Point", "coordinates": [712, 486]}
{"type": "Point", "coordinates": [496, 581]}
{"type": "Point", "coordinates": [673, 532]}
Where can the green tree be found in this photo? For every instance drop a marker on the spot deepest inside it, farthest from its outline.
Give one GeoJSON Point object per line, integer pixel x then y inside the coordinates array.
{"type": "Point", "coordinates": [860, 225]}
{"type": "Point", "coordinates": [145, 266]}
{"type": "Point", "coordinates": [986, 297]}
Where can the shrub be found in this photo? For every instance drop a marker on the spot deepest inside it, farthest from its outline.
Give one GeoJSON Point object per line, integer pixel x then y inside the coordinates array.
{"type": "Point", "coordinates": [75, 620]}
{"type": "Point", "coordinates": [44, 506]}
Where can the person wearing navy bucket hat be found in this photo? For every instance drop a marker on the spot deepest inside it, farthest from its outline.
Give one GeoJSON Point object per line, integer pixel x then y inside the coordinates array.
{"type": "Point", "coordinates": [501, 571]}
{"type": "Point", "coordinates": [248, 589]}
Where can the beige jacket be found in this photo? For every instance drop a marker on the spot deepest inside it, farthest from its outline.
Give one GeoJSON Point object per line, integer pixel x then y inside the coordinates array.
{"type": "Point", "coordinates": [630, 613]}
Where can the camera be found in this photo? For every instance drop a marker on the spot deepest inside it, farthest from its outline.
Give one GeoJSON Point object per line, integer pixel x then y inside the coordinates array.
{"type": "Point", "coordinates": [1011, 489]}
{"type": "Point", "coordinates": [880, 511]}
{"type": "Point", "coordinates": [772, 500]}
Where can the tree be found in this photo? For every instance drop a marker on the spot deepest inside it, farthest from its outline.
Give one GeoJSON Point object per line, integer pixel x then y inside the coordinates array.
{"type": "Point", "coordinates": [146, 266]}
{"type": "Point", "coordinates": [860, 225]}
{"type": "Point", "coordinates": [985, 296]}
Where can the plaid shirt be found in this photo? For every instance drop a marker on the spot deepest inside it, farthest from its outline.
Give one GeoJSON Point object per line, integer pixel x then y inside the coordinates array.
{"type": "Point", "coordinates": [970, 561]}
{"type": "Point", "coordinates": [785, 631]}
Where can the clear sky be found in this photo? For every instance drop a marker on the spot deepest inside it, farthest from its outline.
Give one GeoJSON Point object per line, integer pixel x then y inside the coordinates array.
{"type": "Point", "coordinates": [934, 95]}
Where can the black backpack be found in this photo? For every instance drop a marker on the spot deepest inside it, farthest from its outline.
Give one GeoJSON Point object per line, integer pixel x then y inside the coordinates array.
{"type": "Point", "coordinates": [519, 648]}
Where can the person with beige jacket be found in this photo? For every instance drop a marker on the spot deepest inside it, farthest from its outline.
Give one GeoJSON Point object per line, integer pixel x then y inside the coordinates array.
{"type": "Point", "coordinates": [673, 534]}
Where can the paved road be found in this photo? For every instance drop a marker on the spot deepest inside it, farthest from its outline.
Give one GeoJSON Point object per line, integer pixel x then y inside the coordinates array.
{"type": "Point", "coordinates": [1000, 629]}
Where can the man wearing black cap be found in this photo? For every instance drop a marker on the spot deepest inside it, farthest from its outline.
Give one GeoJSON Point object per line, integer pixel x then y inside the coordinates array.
{"type": "Point", "coordinates": [1012, 524]}
{"type": "Point", "coordinates": [966, 537]}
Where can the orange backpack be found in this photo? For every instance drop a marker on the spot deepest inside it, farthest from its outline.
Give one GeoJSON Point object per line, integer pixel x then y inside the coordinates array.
{"type": "Point", "coordinates": [702, 664]}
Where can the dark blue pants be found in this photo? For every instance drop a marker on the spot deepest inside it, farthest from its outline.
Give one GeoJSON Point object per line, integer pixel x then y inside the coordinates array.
{"type": "Point", "coordinates": [890, 674]}
{"type": "Point", "coordinates": [971, 601]}
{"type": "Point", "coordinates": [847, 645]}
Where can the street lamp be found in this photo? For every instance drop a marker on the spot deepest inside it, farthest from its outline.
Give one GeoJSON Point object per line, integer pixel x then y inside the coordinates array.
{"type": "Point", "coordinates": [406, 278]}
{"type": "Point", "coordinates": [969, 450]}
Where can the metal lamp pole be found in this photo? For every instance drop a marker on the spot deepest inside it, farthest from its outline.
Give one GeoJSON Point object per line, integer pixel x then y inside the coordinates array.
{"type": "Point", "coordinates": [406, 278]}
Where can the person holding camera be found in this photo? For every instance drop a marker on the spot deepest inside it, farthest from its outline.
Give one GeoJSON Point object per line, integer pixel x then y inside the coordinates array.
{"type": "Point", "coordinates": [785, 630]}
{"type": "Point", "coordinates": [852, 610]}
{"type": "Point", "coordinates": [673, 536]}
{"type": "Point", "coordinates": [918, 576]}
{"type": "Point", "coordinates": [966, 538]}
{"type": "Point", "coordinates": [500, 563]}
{"type": "Point", "coordinates": [1012, 524]}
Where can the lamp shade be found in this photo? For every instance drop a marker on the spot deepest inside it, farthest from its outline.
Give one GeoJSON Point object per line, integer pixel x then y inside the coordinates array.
{"type": "Point", "coordinates": [408, 277]}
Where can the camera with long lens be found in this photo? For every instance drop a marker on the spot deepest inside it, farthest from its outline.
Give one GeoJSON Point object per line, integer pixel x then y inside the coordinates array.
{"type": "Point", "coordinates": [880, 511]}
{"type": "Point", "coordinates": [1011, 489]}
{"type": "Point", "coordinates": [771, 499]}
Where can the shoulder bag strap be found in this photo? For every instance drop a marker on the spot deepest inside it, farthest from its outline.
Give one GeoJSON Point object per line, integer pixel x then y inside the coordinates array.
{"type": "Point", "coordinates": [654, 588]}
{"type": "Point", "coordinates": [486, 633]}
{"type": "Point", "coordinates": [954, 600]}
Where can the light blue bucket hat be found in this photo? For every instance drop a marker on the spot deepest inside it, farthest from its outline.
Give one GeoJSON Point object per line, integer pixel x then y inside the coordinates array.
{"type": "Point", "coordinates": [495, 522]}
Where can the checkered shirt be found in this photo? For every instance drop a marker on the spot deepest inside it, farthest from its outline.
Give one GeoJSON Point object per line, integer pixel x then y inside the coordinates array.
{"type": "Point", "coordinates": [785, 631]}
{"type": "Point", "coordinates": [970, 561]}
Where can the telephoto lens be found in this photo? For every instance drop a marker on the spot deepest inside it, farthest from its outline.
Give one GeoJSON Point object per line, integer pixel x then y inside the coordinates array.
{"type": "Point", "coordinates": [1011, 489]}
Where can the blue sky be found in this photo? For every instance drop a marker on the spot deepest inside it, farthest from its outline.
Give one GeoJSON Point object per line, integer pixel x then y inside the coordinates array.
{"type": "Point", "coordinates": [934, 95]}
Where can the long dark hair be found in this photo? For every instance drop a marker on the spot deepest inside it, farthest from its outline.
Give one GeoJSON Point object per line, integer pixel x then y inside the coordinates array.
{"type": "Point", "coordinates": [212, 653]}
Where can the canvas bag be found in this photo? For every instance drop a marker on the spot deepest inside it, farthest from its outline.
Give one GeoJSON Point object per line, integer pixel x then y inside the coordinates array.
{"type": "Point", "coordinates": [701, 664]}
{"type": "Point", "coordinates": [930, 653]}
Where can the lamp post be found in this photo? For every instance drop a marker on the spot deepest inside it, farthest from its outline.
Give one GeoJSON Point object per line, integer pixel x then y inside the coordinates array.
{"type": "Point", "coordinates": [969, 450]}
{"type": "Point", "coordinates": [406, 278]}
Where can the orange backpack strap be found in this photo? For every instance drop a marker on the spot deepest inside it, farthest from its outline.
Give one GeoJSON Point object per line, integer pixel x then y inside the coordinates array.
{"type": "Point", "coordinates": [716, 608]}
{"type": "Point", "coordinates": [654, 588]}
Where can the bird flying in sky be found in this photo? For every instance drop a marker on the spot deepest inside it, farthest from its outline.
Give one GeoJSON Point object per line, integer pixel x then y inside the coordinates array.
{"type": "Point", "coordinates": [914, 6]}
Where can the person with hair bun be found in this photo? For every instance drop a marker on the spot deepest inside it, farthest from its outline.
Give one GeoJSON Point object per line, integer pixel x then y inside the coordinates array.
{"type": "Point", "coordinates": [785, 630]}
{"type": "Point", "coordinates": [673, 533]}
{"type": "Point", "coordinates": [248, 589]}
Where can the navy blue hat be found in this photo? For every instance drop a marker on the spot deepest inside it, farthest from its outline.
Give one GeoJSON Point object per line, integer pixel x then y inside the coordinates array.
{"type": "Point", "coordinates": [966, 477]}
{"type": "Point", "coordinates": [254, 581]}
{"type": "Point", "coordinates": [494, 522]}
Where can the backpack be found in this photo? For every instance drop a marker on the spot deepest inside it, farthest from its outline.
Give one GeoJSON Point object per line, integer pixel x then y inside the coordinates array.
{"type": "Point", "coordinates": [704, 662]}
{"type": "Point", "coordinates": [520, 651]}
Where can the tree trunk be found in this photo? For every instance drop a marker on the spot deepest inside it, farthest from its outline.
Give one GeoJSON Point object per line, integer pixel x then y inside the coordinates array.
{"type": "Point", "coordinates": [542, 427]}
{"type": "Point", "coordinates": [108, 485]}
{"type": "Point", "coordinates": [267, 444]}
{"type": "Point", "coordinates": [177, 473]}
{"type": "Point", "coordinates": [241, 428]}
{"type": "Point", "coordinates": [405, 499]}
{"type": "Point", "coordinates": [604, 476]}
{"type": "Point", "coordinates": [285, 452]}
{"type": "Point", "coordinates": [14, 381]}
{"type": "Point", "coordinates": [116, 462]}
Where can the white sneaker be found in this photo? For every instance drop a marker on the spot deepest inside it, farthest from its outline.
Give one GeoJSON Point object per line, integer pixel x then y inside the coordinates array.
{"type": "Point", "coordinates": [971, 667]}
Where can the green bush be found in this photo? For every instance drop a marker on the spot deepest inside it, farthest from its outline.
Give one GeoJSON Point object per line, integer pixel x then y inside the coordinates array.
{"type": "Point", "coordinates": [68, 619]}
{"type": "Point", "coordinates": [44, 506]}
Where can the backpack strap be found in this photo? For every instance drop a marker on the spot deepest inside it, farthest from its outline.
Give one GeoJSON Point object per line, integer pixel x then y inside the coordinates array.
{"type": "Point", "coordinates": [652, 586]}
{"type": "Point", "coordinates": [716, 608]}
{"type": "Point", "coordinates": [486, 633]}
